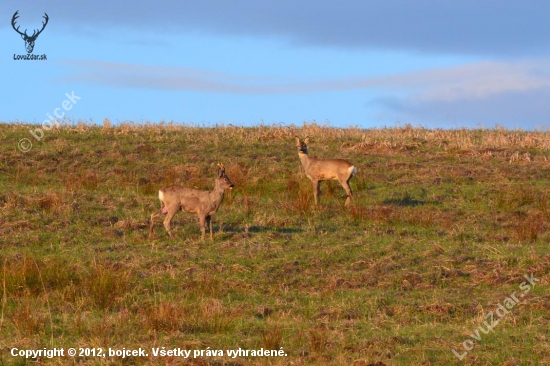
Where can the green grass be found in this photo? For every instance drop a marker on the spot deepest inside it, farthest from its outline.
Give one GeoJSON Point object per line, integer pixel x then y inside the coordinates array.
{"type": "Point", "coordinates": [443, 226]}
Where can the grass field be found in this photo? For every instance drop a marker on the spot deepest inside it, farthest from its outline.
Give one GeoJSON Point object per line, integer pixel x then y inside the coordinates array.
{"type": "Point", "coordinates": [444, 227]}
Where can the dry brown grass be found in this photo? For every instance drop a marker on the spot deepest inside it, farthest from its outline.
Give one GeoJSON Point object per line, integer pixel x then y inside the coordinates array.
{"type": "Point", "coordinates": [443, 225]}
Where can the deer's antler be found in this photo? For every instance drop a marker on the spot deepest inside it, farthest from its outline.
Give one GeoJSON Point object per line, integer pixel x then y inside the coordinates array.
{"type": "Point", "coordinates": [43, 25]}
{"type": "Point", "coordinates": [13, 19]}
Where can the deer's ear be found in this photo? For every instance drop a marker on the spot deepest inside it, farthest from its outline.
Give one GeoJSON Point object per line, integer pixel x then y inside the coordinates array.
{"type": "Point", "coordinates": [297, 141]}
{"type": "Point", "coordinates": [306, 140]}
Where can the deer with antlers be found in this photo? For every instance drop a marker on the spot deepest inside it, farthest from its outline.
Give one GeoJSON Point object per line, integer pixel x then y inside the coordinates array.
{"type": "Point", "coordinates": [203, 203]}
{"type": "Point", "coordinates": [318, 170]}
{"type": "Point", "coordinates": [29, 40]}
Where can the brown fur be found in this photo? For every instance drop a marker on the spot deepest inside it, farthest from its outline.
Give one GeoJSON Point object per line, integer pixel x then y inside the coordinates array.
{"type": "Point", "coordinates": [318, 170]}
{"type": "Point", "coordinates": [203, 203]}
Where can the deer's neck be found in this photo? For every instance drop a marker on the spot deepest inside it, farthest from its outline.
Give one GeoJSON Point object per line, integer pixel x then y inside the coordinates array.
{"type": "Point", "coordinates": [305, 159]}
{"type": "Point", "coordinates": [217, 195]}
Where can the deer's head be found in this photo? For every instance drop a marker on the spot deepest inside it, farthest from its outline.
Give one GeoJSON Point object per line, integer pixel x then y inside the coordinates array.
{"type": "Point", "coordinates": [302, 145]}
{"type": "Point", "coordinates": [223, 180]}
{"type": "Point", "coordinates": [29, 40]}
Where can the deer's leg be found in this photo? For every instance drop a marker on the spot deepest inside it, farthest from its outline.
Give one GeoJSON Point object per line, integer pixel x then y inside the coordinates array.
{"type": "Point", "coordinates": [153, 217]}
{"type": "Point", "coordinates": [170, 212]}
{"type": "Point", "coordinates": [345, 185]}
{"type": "Point", "coordinates": [156, 214]}
{"type": "Point", "coordinates": [202, 221]}
{"type": "Point", "coordinates": [209, 222]}
{"type": "Point", "coordinates": [316, 190]}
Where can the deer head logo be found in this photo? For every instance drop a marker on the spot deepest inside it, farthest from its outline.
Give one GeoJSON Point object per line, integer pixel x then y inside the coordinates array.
{"type": "Point", "coordinates": [29, 40]}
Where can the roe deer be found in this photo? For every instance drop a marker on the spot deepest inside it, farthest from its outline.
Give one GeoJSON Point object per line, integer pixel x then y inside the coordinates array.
{"type": "Point", "coordinates": [318, 170]}
{"type": "Point", "coordinates": [203, 203]}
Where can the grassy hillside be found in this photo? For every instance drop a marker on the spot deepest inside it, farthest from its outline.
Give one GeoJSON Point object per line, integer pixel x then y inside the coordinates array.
{"type": "Point", "coordinates": [443, 228]}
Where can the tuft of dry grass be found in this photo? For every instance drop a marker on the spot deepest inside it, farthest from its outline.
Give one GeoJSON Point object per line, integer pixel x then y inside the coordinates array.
{"type": "Point", "coordinates": [273, 338]}
{"type": "Point", "coordinates": [528, 227]}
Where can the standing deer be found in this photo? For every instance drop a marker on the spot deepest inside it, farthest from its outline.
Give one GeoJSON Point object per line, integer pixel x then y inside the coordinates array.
{"type": "Point", "coordinates": [318, 170]}
{"type": "Point", "coordinates": [203, 203]}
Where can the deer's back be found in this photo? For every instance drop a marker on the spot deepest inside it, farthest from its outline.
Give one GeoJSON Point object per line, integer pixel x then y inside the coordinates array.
{"type": "Point", "coordinates": [326, 169]}
{"type": "Point", "coordinates": [189, 199]}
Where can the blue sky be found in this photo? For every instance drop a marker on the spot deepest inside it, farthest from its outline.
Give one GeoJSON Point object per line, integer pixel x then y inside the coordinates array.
{"type": "Point", "coordinates": [444, 64]}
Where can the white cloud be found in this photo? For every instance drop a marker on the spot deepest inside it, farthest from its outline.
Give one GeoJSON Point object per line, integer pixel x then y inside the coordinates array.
{"type": "Point", "coordinates": [470, 81]}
